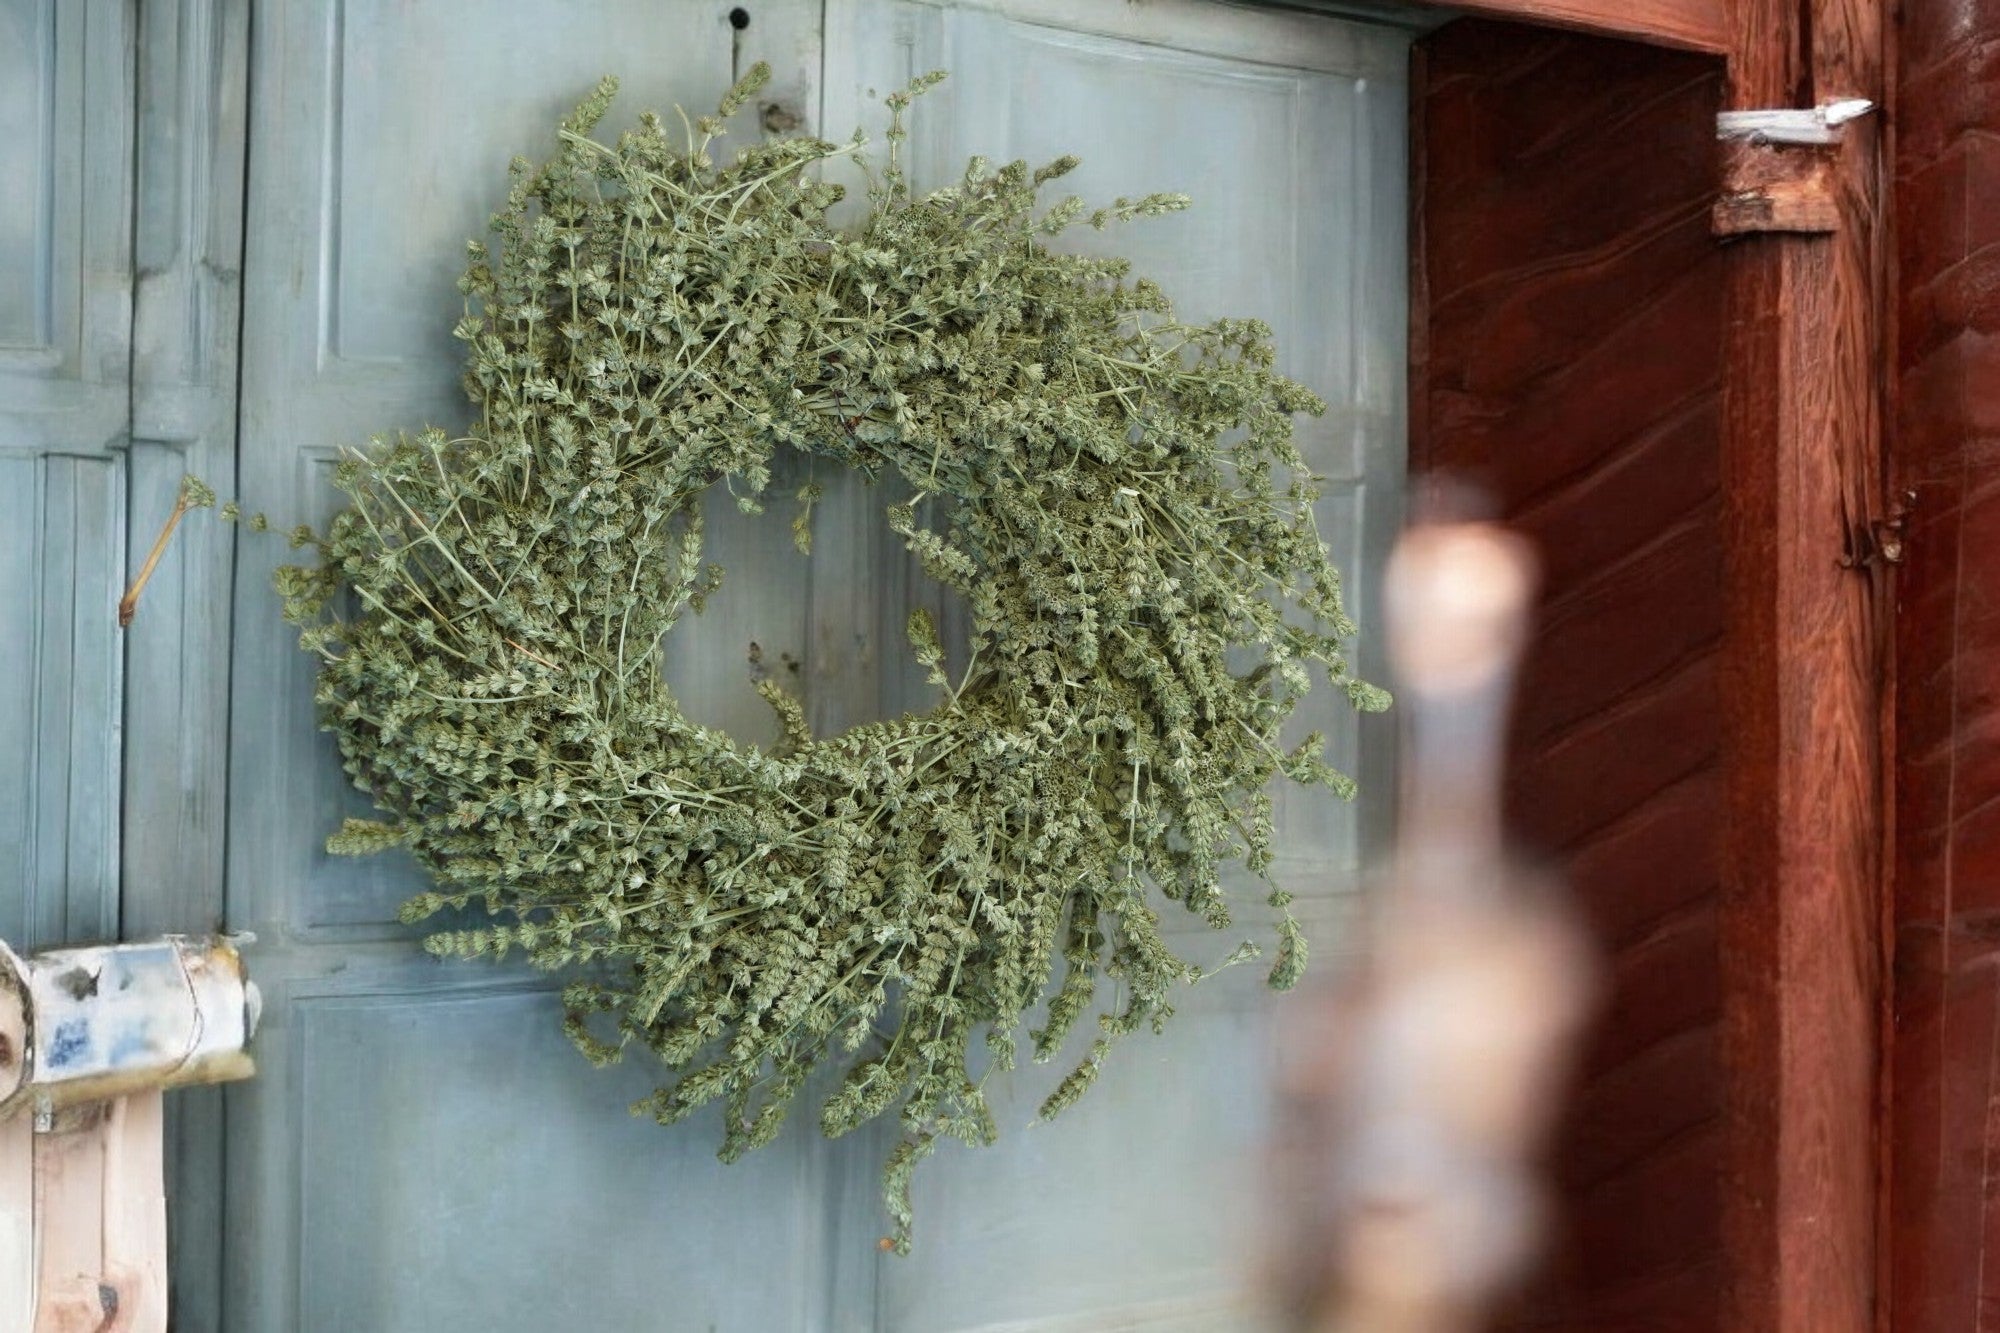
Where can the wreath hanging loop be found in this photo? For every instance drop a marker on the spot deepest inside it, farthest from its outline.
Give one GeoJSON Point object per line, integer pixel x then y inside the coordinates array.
{"type": "Point", "coordinates": [1122, 507]}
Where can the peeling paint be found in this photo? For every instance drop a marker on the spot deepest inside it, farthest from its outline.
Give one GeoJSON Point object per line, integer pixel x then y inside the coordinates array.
{"type": "Point", "coordinates": [109, 1020]}
{"type": "Point", "coordinates": [68, 1045]}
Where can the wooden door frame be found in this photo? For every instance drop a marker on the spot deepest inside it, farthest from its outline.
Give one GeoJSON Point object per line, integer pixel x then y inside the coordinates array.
{"type": "Point", "coordinates": [1808, 671]}
{"type": "Point", "coordinates": [1689, 25]}
{"type": "Point", "coordinates": [1809, 694]}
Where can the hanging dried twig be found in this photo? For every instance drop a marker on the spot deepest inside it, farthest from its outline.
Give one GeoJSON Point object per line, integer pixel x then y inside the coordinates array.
{"type": "Point", "coordinates": [193, 495]}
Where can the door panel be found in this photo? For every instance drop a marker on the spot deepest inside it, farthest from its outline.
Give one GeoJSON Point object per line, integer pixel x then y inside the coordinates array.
{"type": "Point", "coordinates": [422, 1150]}
{"type": "Point", "coordinates": [494, 1210]}
{"type": "Point", "coordinates": [1288, 132]}
{"type": "Point", "coordinates": [1138, 1209]}
{"type": "Point", "coordinates": [65, 356]}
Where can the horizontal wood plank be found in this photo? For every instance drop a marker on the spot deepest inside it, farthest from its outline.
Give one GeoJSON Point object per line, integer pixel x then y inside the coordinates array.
{"type": "Point", "coordinates": [1566, 355]}
{"type": "Point", "coordinates": [1693, 25]}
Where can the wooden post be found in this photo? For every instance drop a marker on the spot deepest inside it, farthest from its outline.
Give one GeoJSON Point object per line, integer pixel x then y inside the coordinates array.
{"type": "Point", "coordinates": [1802, 910]}
{"type": "Point", "coordinates": [100, 1222]}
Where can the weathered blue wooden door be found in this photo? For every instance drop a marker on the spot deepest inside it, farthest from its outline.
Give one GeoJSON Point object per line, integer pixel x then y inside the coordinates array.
{"type": "Point", "coordinates": [422, 1150]}
{"type": "Point", "coordinates": [65, 407]}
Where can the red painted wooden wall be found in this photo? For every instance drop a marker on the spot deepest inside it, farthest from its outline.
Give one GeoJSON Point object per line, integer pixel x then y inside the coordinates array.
{"type": "Point", "coordinates": [1945, 1055]}
{"type": "Point", "coordinates": [1567, 334]}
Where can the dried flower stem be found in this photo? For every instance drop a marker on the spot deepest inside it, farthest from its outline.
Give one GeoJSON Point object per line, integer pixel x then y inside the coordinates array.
{"type": "Point", "coordinates": [192, 495]}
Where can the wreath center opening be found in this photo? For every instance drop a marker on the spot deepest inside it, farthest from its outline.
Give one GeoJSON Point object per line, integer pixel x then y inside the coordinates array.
{"type": "Point", "coordinates": [824, 617]}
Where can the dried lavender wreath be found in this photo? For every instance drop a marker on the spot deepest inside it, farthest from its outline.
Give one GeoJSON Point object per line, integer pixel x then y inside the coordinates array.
{"type": "Point", "coordinates": [1123, 509]}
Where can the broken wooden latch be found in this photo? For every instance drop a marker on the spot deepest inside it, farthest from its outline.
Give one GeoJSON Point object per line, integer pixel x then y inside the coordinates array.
{"type": "Point", "coordinates": [1776, 174]}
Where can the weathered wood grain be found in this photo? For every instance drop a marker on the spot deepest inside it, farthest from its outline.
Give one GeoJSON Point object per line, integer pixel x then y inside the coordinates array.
{"type": "Point", "coordinates": [17, 1232]}
{"type": "Point", "coordinates": [1567, 341]}
{"type": "Point", "coordinates": [1943, 1210]}
{"type": "Point", "coordinates": [1696, 25]}
{"type": "Point", "coordinates": [1802, 692]}
{"type": "Point", "coordinates": [99, 1219]}
{"type": "Point", "coordinates": [65, 335]}
{"type": "Point", "coordinates": [1775, 187]}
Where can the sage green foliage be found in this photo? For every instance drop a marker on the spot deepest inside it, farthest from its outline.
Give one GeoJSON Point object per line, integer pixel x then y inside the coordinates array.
{"type": "Point", "coordinates": [1120, 502]}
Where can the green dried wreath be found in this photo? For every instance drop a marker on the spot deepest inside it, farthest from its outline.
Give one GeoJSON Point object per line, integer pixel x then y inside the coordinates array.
{"type": "Point", "coordinates": [1123, 509]}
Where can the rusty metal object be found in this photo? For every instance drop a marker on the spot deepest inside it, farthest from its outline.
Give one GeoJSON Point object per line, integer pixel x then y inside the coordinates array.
{"type": "Point", "coordinates": [1417, 1105]}
{"type": "Point", "coordinates": [89, 1038]}
{"type": "Point", "coordinates": [84, 1025]}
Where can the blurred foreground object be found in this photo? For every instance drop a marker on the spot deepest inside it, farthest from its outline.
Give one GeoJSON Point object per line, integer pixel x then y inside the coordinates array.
{"type": "Point", "coordinates": [89, 1039]}
{"type": "Point", "coordinates": [1420, 1098]}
